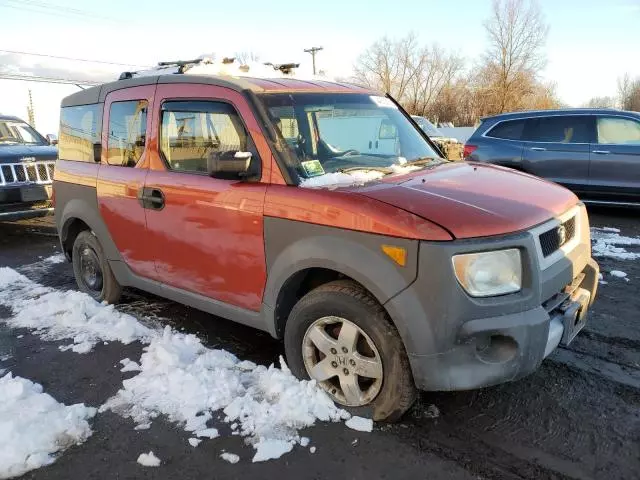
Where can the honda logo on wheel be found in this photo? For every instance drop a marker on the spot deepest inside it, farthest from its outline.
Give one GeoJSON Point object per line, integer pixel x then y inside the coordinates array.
{"type": "Point", "coordinates": [562, 234]}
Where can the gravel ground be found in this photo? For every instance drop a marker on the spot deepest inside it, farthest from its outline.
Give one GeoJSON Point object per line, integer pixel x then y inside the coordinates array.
{"type": "Point", "coordinates": [578, 416]}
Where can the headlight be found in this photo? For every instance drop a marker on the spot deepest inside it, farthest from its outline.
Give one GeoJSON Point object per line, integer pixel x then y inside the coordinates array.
{"type": "Point", "coordinates": [489, 273]}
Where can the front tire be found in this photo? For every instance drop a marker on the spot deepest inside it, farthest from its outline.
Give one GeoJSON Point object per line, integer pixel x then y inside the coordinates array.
{"type": "Point", "coordinates": [91, 269]}
{"type": "Point", "coordinates": [340, 336]}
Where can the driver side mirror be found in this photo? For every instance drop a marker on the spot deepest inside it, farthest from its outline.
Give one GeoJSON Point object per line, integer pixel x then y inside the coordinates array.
{"type": "Point", "coordinates": [229, 165]}
{"type": "Point", "coordinates": [52, 139]}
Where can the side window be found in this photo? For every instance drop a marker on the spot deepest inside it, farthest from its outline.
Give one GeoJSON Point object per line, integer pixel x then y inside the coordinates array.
{"type": "Point", "coordinates": [192, 132]}
{"type": "Point", "coordinates": [618, 130]}
{"type": "Point", "coordinates": [80, 133]}
{"type": "Point", "coordinates": [561, 129]}
{"type": "Point", "coordinates": [127, 132]}
{"type": "Point", "coordinates": [508, 130]}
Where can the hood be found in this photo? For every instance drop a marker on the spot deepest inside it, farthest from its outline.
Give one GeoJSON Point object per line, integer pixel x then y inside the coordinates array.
{"type": "Point", "coordinates": [15, 153]}
{"type": "Point", "coordinates": [474, 200]}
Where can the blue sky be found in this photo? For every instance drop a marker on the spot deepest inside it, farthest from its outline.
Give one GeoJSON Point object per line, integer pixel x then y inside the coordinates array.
{"type": "Point", "coordinates": [590, 43]}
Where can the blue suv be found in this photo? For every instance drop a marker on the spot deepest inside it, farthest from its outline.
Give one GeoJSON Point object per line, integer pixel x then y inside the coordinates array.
{"type": "Point", "coordinates": [594, 152]}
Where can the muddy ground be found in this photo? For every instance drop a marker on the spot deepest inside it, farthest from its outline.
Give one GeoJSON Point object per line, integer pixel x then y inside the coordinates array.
{"type": "Point", "coordinates": [578, 416]}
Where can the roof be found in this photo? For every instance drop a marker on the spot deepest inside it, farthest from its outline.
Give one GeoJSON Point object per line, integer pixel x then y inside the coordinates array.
{"type": "Point", "coordinates": [559, 111]}
{"type": "Point", "coordinates": [257, 85]}
{"type": "Point", "coordinates": [11, 117]}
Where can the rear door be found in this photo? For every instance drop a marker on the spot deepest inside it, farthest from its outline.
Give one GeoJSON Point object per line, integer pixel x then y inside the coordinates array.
{"type": "Point", "coordinates": [615, 159]}
{"type": "Point", "coordinates": [557, 148]}
{"type": "Point", "coordinates": [123, 168]}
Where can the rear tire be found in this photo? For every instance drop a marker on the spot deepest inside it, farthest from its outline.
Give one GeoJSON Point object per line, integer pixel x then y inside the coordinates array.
{"type": "Point", "coordinates": [91, 269]}
{"type": "Point", "coordinates": [373, 377]}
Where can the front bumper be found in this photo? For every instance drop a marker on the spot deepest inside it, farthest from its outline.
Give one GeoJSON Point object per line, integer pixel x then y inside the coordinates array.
{"type": "Point", "coordinates": [25, 201]}
{"type": "Point", "coordinates": [456, 342]}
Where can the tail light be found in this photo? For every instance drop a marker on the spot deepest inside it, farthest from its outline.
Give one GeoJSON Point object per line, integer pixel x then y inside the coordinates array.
{"type": "Point", "coordinates": [468, 150]}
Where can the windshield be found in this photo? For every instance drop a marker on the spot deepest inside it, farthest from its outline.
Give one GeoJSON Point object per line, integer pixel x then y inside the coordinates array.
{"type": "Point", "coordinates": [13, 132]}
{"type": "Point", "coordinates": [328, 133]}
{"type": "Point", "coordinates": [428, 127]}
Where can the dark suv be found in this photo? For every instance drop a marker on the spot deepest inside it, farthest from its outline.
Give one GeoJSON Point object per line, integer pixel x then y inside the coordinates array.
{"type": "Point", "coordinates": [27, 160]}
{"type": "Point", "coordinates": [594, 152]}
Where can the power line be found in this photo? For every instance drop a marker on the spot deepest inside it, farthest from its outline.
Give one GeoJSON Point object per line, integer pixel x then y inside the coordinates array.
{"type": "Point", "coordinates": [73, 59]}
{"type": "Point", "coordinates": [51, 9]}
{"type": "Point", "coordinates": [39, 78]}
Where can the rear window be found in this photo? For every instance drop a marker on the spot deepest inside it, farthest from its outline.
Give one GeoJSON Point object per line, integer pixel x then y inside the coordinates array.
{"type": "Point", "coordinates": [508, 130]}
{"type": "Point", "coordinates": [80, 133]}
{"type": "Point", "coordinates": [560, 129]}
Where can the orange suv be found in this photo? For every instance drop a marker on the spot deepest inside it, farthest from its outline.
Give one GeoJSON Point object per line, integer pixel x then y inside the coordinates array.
{"type": "Point", "coordinates": [320, 213]}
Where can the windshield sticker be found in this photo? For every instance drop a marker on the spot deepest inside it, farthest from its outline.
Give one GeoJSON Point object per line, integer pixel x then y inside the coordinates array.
{"type": "Point", "coordinates": [383, 102]}
{"type": "Point", "coordinates": [313, 168]}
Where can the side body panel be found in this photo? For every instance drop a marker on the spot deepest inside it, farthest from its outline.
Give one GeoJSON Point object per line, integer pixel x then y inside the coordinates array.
{"type": "Point", "coordinates": [118, 188]}
{"type": "Point", "coordinates": [563, 163]}
{"type": "Point", "coordinates": [208, 238]}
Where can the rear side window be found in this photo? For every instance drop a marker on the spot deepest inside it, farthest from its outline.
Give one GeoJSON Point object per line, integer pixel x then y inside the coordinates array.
{"type": "Point", "coordinates": [618, 130]}
{"type": "Point", "coordinates": [80, 133]}
{"type": "Point", "coordinates": [127, 132]}
{"type": "Point", "coordinates": [508, 130]}
{"type": "Point", "coordinates": [560, 129]}
{"type": "Point", "coordinates": [191, 132]}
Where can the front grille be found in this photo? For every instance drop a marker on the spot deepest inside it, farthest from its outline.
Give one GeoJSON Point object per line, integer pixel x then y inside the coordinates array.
{"type": "Point", "coordinates": [553, 239]}
{"type": "Point", "coordinates": [35, 172]}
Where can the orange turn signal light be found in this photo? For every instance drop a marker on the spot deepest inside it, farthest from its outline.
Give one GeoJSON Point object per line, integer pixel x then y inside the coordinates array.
{"type": "Point", "coordinates": [397, 254]}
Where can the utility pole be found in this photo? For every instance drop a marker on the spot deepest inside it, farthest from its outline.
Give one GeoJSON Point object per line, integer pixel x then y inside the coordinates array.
{"type": "Point", "coordinates": [30, 113]}
{"type": "Point", "coordinates": [313, 51]}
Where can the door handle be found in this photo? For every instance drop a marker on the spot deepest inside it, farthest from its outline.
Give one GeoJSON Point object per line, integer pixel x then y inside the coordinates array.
{"type": "Point", "coordinates": [538, 149]}
{"type": "Point", "coordinates": [151, 198]}
{"type": "Point", "coordinates": [601, 152]}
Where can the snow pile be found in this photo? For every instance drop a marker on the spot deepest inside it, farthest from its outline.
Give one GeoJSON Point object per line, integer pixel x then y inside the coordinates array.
{"type": "Point", "coordinates": [33, 426]}
{"type": "Point", "coordinates": [187, 382]}
{"type": "Point", "coordinates": [360, 424]}
{"type": "Point", "coordinates": [354, 178]}
{"type": "Point", "coordinates": [619, 274]}
{"type": "Point", "coordinates": [148, 460]}
{"type": "Point", "coordinates": [59, 315]}
{"type": "Point", "coordinates": [230, 457]}
{"type": "Point", "coordinates": [607, 242]}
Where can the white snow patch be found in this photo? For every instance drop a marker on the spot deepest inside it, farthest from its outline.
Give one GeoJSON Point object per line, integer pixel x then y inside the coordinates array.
{"type": "Point", "coordinates": [187, 382]}
{"type": "Point", "coordinates": [34, 426]}
{"type": "Point", "coordinates": [619, 274]}
{"type": "Point", "coordinates": [129, 365]}
{"type": "Point", "coordinates": [72, 315]}
{"type": "Point", "coordinates": [312, 449]}
{"type": "Point", "coordinates": [304, 441]}
{"type": "Point", "coordinates": [360, 424]}
{"type": "Point", "coordinates": [230, 457]}
{"type": "Point", "coordinates": [194, 442]}
{"type": "Point", "coordinates": [354, 178]}
{"type": "Point", "coordinates": [607, 242]}
{"type": "Point", "coordinates": [207, 433]}
{"type": "Point", "coordinates": [148, 460]}
{"type": "Point", "coordinates": [268, 449]}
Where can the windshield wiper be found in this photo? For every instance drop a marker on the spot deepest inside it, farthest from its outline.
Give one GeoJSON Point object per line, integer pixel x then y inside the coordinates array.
{"type": "Point", "coordinates": [426, 161]}
{"type": "Point", "coordinates": [385, 170]}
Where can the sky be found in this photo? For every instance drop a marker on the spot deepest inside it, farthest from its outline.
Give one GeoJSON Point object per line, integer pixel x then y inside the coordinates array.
{"type": "Point", "coordinates": [590, 43]}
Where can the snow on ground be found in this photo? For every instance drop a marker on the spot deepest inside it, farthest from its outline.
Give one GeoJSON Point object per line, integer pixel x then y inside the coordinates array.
{"type": "Point", "coordinates": [72, 315]}
{"type": "Point", "coordinates": [360, 424]}
{"type": "Point", "coordinates": [618, 274]}
{"type": "Point", "coordinates": [188, 383]}
{"type": "Point", "coordinates": [34, 427]}
{"type": "Point", "coordinates": [178, 376]}
{"type": "Point", "coordinates": [607, 242]}
{"type": "Point", "coordinates": [230, 457]}
{"type": "Point", "coordinates": [148, 460]}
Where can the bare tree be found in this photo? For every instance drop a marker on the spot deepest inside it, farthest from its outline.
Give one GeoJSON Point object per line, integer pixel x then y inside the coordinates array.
{"type": "Point", "coordinates": [517, 33]}
{"type": "Point", "coordinates": [247, 57]}
{"type": "Point", "coordinates": [601, 102]}
{"type": "Point", "coordinates": [629, 92]}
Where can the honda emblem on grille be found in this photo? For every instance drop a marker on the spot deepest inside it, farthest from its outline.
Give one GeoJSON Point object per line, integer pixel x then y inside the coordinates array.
{"type": "Point", "coordinates": [562, 234]}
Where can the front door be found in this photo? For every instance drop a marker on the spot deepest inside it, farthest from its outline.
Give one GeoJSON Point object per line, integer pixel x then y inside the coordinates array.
{"type": "Point", "coordinates": [557, 148]}
{"type": "Point", "coordinates": [207, 233]}
{"type": "Point", "coordinates": [123, 168]}
{"type": "Point", "coordinates": [615, 160]}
